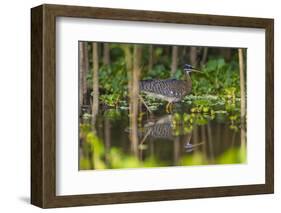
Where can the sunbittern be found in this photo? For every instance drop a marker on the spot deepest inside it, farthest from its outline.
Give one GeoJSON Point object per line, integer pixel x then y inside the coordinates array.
{"type": "Point", "coordinates": [171, 90]}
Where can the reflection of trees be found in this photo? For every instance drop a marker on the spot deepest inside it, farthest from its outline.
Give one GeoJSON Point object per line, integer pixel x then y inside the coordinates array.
{"type": "Point", "coordinates": [195, 135]}
{"type": "Point", "coordinates": [175, 128]}
{"type": "Point", "coordinates": [164, 127]}
{"type": "Point", "coordinates": [176, 150]}
{"type": "Point", "coordinates": [204, 138]}
{"type": "Point", "coordinates": [107, 139]}
{"type": "Point", "coordinates": [210, 142]}
{"type": "Point", "coordinates": [161, 134]}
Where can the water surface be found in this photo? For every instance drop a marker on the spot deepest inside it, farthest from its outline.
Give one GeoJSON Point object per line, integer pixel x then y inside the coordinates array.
{"type": "Point", "coordinates": [177, 139]}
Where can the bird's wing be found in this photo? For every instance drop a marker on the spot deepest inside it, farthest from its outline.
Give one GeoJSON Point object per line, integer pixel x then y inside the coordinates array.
{"type": "Point", "coordinates": [167, 87]}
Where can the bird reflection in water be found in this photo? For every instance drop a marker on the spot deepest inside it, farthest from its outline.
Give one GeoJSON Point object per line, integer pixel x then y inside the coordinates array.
{"type": "Point", "coordinates": [165, 128]}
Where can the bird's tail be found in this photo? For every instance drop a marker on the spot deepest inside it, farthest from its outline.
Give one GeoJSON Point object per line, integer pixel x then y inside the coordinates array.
{"type": "Point", "coordinates": [145, 84]}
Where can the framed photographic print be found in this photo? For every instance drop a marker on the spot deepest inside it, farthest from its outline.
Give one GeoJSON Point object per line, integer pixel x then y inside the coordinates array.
{"type": "Point", "coordinates": [135, 106]}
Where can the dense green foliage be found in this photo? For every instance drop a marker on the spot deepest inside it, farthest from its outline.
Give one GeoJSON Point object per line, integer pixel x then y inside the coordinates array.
{"type": "Point", "coordinates": [215, 97]}
{"type": "Point", "coordinates": [218, 77]}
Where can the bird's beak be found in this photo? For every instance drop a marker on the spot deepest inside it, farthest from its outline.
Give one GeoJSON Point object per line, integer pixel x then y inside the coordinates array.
{"type": "Point", "coordinates": [195, 70]}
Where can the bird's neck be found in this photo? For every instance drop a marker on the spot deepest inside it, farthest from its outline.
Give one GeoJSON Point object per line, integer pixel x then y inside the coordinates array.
{"type": "Point", "coordinates": [187, 78]}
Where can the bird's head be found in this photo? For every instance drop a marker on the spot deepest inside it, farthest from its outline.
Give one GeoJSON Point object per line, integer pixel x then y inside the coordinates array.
{"type": "Point", "coordinates": [188, 69]}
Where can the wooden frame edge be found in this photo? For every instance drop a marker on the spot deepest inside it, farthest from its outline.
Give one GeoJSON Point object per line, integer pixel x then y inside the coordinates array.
{"type": "Point", "coordinates": [36, 106]}
{"type": "Point", "coordinates": [269, 121]}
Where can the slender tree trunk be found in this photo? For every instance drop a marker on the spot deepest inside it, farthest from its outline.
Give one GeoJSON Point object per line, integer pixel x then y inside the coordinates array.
{"type": "Point", "coordinates": [183, 55]}
{"type": "Point", "coordinates": [243, 100]}
{"type": "Point", "coordinates": [106, 54]}
{"type": "Point", "coordinates": [227, 53]}
{"type": "Point", "coordinates": [81, 75]}
{"type": "Point", "coordinates": [86, 70]}
{"type": "Point", "coordinates": [174, 64]}
{"type": "Point", "coordinates": [83, 70]}
{"type": "Point", "coordinates": [95, 106]}
{"type": "Point", "coordinates": [242, 85]}
{"type": "Point", "coordinates": [150, 60]}
{"type": "Point", "coordinates": [193, 56]}
{"type": "Point", "coordinates": [130, 71]}
{"type": "Point", "coordinates": [204, 57]}
{"type": "Point", "coordinates": [135, 97]}
{"type": "Point", "coordinates": [129, 65]}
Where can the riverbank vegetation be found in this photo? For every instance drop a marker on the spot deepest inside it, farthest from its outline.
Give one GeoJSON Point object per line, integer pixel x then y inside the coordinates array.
{"type": "Point", "coordinates": [109, 98]}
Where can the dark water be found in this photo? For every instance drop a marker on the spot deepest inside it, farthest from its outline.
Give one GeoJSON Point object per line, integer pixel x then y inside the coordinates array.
{"type": "Point", "coordinates": [177, 139]}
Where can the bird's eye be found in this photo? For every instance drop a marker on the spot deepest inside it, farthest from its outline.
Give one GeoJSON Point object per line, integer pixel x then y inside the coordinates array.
{"type": "Point", "coordinates": [187, 66]}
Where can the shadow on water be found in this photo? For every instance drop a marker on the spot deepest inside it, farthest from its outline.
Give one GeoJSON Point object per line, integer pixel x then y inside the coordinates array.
{"type": "Point", "coordinates": [176, 139]}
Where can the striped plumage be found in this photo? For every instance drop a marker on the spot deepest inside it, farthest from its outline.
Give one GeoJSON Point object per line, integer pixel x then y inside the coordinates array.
{"type": "Point", "coordinates": [170, 90]}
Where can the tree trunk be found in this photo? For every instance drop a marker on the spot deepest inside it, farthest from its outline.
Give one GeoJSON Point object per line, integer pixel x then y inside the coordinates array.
{"type": "Point", "coordinates": [95, 106]}
{"type": "Point", "coordinates": [150, 60]}
{"type": "Point", "coordinates": [193, 56]}
{"type": "Point", "coordinates": [106, 54]}
{"type": "Point", "coordinates": [204, 57]}
{"type": "Point", "coordinates": [129, 65]}
{"type": "Point", "coordinates": [135, 97]}
{"type": "Point", "coordinates": [243, 98]}
{"type": "Point", "coordinates": [81, 75]}
{"type": "Point", "coordinates": [183, 55]}
{"type": "Point", "coordinates": [86, 70]}
{"type": "Point", "coordinates": [242, 84]}
{"type": "Point", "coordinates": [226, 53]}
{"type": "Point", "coordinates": [174, 64]}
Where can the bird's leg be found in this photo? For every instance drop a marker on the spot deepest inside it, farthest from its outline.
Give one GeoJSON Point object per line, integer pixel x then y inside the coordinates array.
{"type": "Point", "coordinates": [167, 107]}
{"type": "Point", "coordinates": [145, 136]}
{"type": "Point", "coordinates": [145, 104]}
{"type": "Point", "coordinates": [171, 108]}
